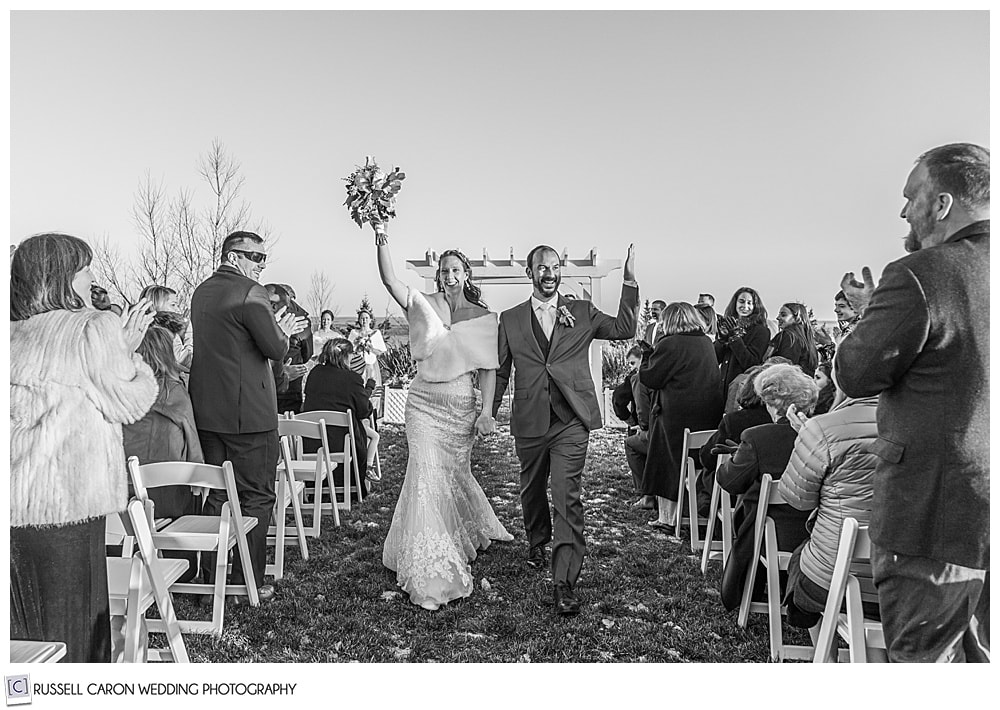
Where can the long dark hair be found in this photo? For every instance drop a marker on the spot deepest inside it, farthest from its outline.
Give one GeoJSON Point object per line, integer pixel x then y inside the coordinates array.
{"type": "Point", "coordinates": [41, 274]}
{"type": "Point", "coordinates": [801, 333]}
{"type": "Point", "coordinates": [157, 350]}
{"type": "Point", "coordinates": [473, 294]}
{"type": "Point", "coordinates": [759, 315]}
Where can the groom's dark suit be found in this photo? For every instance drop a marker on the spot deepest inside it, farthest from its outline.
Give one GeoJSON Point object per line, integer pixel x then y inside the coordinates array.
{"type": "Point", "coordinates": [554, 409]}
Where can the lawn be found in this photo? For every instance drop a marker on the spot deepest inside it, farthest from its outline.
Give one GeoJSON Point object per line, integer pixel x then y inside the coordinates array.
{"type": "Point", "coordinates": [645, 599]}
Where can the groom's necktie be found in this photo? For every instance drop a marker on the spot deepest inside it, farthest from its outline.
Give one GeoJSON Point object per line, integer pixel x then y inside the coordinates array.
{"type": "Point", "coordinates": [546, 318]}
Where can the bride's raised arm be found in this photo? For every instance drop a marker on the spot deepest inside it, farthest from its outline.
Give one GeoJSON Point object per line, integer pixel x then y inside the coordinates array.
{"type": "Point", "coordinates": [395, 287]}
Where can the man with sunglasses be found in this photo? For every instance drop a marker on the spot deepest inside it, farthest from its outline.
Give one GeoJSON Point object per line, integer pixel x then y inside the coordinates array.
{"type": "Point", "coordinates": [236, 335]}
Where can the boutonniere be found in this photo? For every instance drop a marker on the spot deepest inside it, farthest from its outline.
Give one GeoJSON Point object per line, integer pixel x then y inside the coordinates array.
{"type": "Point", "coordinates": [565, 317]}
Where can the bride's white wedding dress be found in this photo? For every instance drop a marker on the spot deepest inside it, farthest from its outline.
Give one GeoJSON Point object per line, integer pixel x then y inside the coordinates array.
{"type": "Point", "coordinates": [442, 517]}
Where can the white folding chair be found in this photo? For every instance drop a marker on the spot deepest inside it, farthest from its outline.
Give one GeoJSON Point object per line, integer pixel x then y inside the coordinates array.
{"type": "Point", "coordinates": [347, 459]}
{"type": "Point", "coordinates": [765, 551]}
{"type": "Point", "coordinates": [720, 510]}
{"type": "Point", "coordinates": [136, 583]}
{"type": "Point", "coordinates": [205, 533]}
{"type": "Point", "coordinates": [851, 583]}
{"type": "Point", "coordinates": [288, 493]}
{"type": "Point", "coordinates": [687, 484]}
{"type": "Point", "coordinates": [36, 651]}
{"type": "Point", "coordinates": [315, 470]}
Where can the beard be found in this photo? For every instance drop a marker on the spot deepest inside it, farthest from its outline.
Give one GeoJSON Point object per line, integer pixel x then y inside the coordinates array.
{"type": "Point", "coordinates": [921, 228]}
{"type": "Point", "coordinates": [546, 286]}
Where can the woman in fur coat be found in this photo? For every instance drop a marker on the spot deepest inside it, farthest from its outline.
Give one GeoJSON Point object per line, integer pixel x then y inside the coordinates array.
{"type": "Point", "coordinates": [74, 380]}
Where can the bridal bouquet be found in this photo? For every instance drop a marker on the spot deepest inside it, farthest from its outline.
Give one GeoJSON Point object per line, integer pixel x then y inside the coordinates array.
{"type": "Point", "coordinates": [371, 192]}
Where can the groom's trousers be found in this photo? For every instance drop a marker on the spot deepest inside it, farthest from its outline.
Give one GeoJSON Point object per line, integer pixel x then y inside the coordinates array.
{"type": "Point", "coordinates": [560, 454]}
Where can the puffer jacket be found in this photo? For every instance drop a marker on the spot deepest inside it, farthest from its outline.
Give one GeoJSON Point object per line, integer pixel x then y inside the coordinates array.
{"type": "Point", "coordinates": [73, 384]}
{"type": "Point", "coordinates": [831, 469]}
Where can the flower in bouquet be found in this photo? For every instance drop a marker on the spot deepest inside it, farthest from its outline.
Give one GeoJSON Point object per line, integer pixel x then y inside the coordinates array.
{"type": "Point", "coordinates": [371, 192]}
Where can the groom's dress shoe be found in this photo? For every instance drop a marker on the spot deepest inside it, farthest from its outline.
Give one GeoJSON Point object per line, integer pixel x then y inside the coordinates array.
{"type": "Point", "coordinates": [567, 603]}
{"type": "Point", "coordinates": [536, 557]}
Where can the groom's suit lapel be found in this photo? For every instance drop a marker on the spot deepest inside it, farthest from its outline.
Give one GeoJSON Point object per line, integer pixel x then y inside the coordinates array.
{"type": "Point", "coordinates": [558, 327]}
{"type": "Point", "coordinates": [524, 320]}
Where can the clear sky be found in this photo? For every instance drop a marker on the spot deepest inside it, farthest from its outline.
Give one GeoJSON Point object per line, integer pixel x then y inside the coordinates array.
{"type": "Point", "coordinates": [766, 149]}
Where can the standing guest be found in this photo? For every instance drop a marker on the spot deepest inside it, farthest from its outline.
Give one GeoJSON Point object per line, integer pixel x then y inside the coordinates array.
{"type": "Point", "coordinates": [632, 406]}
{"type": "Point", "coordinates": [922, 346]}
{"type": "Point", "coordinates": [654, 329]}
{"type": "Point", "coordinates": [710, 318]}
{"type": "Point", "coordinates": [681, 371]}
{"type": "Point", "coordinates": [99, 298]}
{"type": "Point", "coordinates": [847, 317]}
{"type": "Point", "coordinates": [764, 449]}
{"type": "Point", "coordinates": [233, 392]}
{"type": "Point", "coordinates": [288, 383]}
{"type": "Point", "coordinates": [830, 472]}
{"type": "Point", "coordinates": [743, 336]}
{"type": "Point", "coordinates": [333, 386]}
{"type": "Point", "coordinates": [74, 380]}
{"type": "Point", "coordinates": [164, 301]}
{"type": "Point", "coordinates": [795, 338]}
{"type": "Point", "coordinates": [706, 299]}
{"type": "Point", "coordinates": [368, 342]}
{"type": "Point", "coordinates": [324, 333]}
{"type": "Point", "coordinates": [167, 433]}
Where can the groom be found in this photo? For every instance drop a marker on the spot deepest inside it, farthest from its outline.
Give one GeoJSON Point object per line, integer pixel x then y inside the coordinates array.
{"type": "Point", "coordinates": [547, 340]}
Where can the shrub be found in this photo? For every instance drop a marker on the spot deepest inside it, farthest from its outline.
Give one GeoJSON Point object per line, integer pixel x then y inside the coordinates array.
{"type": "Point", "coordinates": [398, 365]}
{"type": "Point", "coordinates": [614, 362]}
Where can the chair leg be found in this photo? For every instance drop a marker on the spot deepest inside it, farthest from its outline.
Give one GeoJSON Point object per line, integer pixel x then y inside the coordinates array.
{"type": "Point", "coordinates": [692, 483]}
{"type": "Point", "coordinates": [713, 512]}
{"type": "Point", "coordinates": [773, 593]}
{"type": "Point", "coordinates": [299, 526]}
{"type": "Point", "coordinates": [681, 485]}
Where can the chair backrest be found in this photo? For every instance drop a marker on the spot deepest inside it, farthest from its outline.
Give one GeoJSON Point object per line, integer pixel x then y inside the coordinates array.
{"type": "Point", "coordinates": [139, 514]}
{"type": "Point", "coordinates": [847, 552]}
{"type": "Point", "coordinates": [695, 439]}
{"type": "Point", "coordinates": [184, 473]}
{"type": "Point", "coordinates": [342, 419]}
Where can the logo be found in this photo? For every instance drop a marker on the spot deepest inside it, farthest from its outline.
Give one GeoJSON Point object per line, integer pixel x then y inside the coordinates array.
{"type": "Point", "coordinates": [18, 689]}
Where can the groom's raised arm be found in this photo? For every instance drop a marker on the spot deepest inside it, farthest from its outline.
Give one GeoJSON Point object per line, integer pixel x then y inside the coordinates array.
{"type": "Point", "coordinates": [503, 371]}
{"type": "Point", "coordinates": [621, 327]}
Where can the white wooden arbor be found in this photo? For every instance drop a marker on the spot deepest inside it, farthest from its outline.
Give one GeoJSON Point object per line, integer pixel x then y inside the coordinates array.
{"type": "Point", "coordinates": [580, 278]}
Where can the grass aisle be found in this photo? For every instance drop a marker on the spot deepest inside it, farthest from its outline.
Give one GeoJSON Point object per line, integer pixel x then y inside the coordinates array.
{"type": "Point", "coordinates": [645, 599]}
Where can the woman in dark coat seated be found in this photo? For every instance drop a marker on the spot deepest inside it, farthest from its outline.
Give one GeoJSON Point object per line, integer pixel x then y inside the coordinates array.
{"type": "Point", "coordinates": [764, 449]}
{"type": "Point", "coordinates": [333, 386]}
{"type": "Point", "coordinates": [683, 375]}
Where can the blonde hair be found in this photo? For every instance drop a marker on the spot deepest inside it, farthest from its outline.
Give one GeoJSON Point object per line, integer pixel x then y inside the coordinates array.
{"type": "Point", "coordinates": [681, 317]}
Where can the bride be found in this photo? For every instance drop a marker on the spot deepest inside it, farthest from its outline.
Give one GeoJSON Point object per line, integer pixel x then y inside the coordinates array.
{"type": "Point", "coordinates": [442, 517]}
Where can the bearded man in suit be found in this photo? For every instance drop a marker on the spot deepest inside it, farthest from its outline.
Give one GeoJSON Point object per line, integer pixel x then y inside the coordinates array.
{"type": "Point", "coordinates": [922, 345]}
{"type": "Point", "coordinates": [547, 340]}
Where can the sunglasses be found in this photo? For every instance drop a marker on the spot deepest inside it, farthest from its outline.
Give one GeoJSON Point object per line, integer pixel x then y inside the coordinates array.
{"type": "Point", "coordinates": [257, 257]}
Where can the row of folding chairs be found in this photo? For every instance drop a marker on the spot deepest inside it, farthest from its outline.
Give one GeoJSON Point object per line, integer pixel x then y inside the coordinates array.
{"type": "Point", "coordinates": [298, 474]}
{"type": "Point", "coordinates": [851, 586]}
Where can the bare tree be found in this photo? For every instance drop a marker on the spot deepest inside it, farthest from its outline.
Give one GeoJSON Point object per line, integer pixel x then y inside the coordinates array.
{"type": "Point", "coordinates": [320, 293]}
{"type": "Point", "coordinates": [178, 243]}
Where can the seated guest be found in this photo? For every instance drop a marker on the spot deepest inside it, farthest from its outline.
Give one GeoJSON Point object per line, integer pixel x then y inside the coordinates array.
{"type": "Point", "coordinates": [795, 339]}
{"type": "Point", "coordinates": [682, 373]}
{"type": "Point", "coordinates": [751, 412]}
{"type": "Point", "coordinates": [631, 403]}
{"type": "Point", "coordinates": [827, 390]}
{"type": "Point", "coordinates": [764, 449]}
{"type": "Point", "coordinates": [333, 386]}
{"type": "Point", "coordinates": [734, 388]}
{"type": "Point", "coordinates": [831, 472]}
{"type": "Point", "coordinates": [166, 433]}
